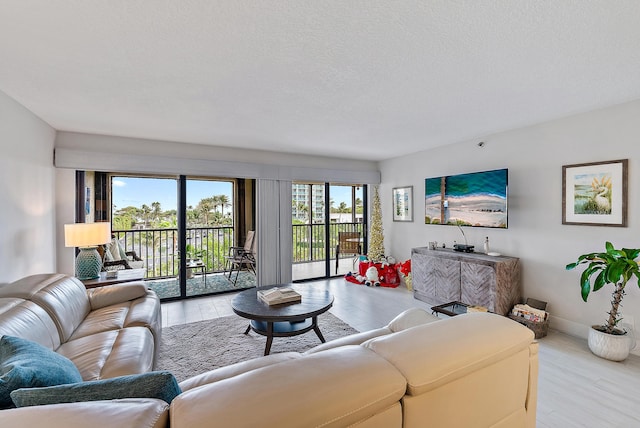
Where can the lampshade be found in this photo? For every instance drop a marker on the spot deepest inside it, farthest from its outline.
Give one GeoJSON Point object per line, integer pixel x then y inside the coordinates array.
{"type": "Point", "coordinates": [87, 234]}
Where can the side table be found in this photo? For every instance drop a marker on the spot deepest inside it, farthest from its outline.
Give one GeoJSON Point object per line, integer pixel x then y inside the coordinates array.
{"type": "Point", "coordinates": [124, 275]}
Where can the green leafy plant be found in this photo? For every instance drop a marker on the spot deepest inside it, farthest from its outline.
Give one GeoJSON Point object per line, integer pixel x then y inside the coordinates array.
{"type": "Point", "coordinates": [614, 267]}
{"type": "Point", "coordinates": [194, 253]}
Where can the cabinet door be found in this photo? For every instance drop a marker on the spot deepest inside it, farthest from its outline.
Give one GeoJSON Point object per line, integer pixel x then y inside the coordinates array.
{"type": "Point", "coordinates": [477, 285]}
{"type": "Point", "coordinates": [422, 274]}
{"type": "Point", "coordinates": [446, 276]}
{"type": "Point", "coordinates": [435, 279]}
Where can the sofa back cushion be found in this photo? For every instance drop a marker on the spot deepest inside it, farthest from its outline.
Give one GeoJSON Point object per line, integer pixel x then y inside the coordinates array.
{"type": "Point", "coordinates": [63, 297]}
{"type": "Point", "coordinates": [479, 363]}
{"type": "Point", "coordinates": [25, 319]}
{"type": "Point", "coordinates": [335, 388]}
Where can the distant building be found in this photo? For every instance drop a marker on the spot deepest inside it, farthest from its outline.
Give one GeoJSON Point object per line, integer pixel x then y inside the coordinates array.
{"type": "Point", "coordinates": [311, 197]}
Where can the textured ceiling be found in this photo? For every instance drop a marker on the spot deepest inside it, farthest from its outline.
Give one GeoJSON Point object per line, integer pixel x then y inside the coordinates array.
{"type": "Point", "coordinates": [357, 79]}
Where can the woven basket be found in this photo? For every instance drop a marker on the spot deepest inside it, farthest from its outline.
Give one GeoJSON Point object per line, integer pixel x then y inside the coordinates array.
{"type": "Point", "coordinates": [540, 329]}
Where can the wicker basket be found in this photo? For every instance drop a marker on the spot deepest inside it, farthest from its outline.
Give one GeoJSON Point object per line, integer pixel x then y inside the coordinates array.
{"type": "Point", "coordinates": [540, 329]}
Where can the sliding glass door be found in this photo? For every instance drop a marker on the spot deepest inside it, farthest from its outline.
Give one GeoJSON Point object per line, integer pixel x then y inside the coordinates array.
{"type": "Point", "coordinates": [183, 229]}
{"type": "Point", "coordinates": [321, 213]}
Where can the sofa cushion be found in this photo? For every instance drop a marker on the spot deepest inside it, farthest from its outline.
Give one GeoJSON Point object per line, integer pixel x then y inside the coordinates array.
{"type": "Point", "coordinates": [338, 387]}
{"type": "Point", "coordinates": [26, 364]}
{"type": "Point", "coordinates": [101, 297]}
{"type": "Point", "coordinates": [407, 319]}
{"type": "Point", "coordinates": [25, 319]}
{"type": "Point", "coordinates": [236, 369]}
{"type": "Point", "coordinates": [63, 297]}
{"type": "Point", "coordinates": [114, 249]}
{"type": "Point", "coordinates": [488, 338]}
{"type": "Point", "coordinates": [111, 353]}
{"type": "Point", "coordinates": [411, 318]}
{"type": "Point", "coordinates": [161, 385]}
{"type": "Point", "coordinates": [140, 312]}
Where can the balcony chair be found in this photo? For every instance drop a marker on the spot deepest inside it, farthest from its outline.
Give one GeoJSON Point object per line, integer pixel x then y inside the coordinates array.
{"type": "Point", "coordinates": [114, 257]}
{"type": "Point", "coordinates": [242, 258]}
{"type": "Point", "coordinates": [348, 243]}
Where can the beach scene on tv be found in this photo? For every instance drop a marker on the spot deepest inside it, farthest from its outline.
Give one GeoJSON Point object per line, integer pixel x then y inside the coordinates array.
{"type": "Point", "coordinates": [475, 199]}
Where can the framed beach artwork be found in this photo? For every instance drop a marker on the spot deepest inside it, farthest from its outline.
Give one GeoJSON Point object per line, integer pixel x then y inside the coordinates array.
{"type": "Point", "coordinates": [475, 199]}
{"type": "Point", "coordinates": [403, 203]}
{"type": "Point", "coordinates": [595, 193]}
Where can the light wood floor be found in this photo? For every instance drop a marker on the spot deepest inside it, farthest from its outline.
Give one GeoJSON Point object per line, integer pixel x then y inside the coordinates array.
{"type": "Point", "coordinates": [576, 388]}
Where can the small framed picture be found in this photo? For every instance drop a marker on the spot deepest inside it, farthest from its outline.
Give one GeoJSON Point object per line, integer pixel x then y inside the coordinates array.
{"type": "Point", "coordinates": [403, 203]}
{"type": "Point", "coordinates": [595, 193]}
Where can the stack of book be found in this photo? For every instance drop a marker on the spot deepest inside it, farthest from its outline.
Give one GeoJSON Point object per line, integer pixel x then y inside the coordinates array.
{"type": "Point", "coordinates": [529, 313]}
{"type": "Point", "coordinates": [476, 308]}
{"type": "Point", "coordinates": [277, 296]}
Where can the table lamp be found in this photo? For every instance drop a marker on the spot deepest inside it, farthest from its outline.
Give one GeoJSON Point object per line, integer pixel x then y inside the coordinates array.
{"type": "Point", "coordinates": [87, 237]}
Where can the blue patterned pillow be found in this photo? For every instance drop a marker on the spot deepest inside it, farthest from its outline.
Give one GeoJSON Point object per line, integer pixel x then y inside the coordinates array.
{"type": "Point", "coordinates": [27, 364]}
{"type": "Point", "coordinates": [161, 385]}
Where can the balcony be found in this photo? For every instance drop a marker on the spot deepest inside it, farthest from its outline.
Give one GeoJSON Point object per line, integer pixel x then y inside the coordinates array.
{"type": "Point", "coordinates": [159, 249]}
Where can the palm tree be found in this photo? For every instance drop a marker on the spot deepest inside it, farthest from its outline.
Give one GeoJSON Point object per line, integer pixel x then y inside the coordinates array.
{"type": "Point", "coordinates": [156, 210]}
{"type": "Point", "coordinates": [224, 201]}
{"type": "Point", "coordinates": [145, 213]}
{"type": "Point", "coordinates": [204, 207]}
{"type": "Point", "coordinates": [216, 202]}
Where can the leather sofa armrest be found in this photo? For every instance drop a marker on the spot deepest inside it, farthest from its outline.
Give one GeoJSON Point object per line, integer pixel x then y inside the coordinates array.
{"type": "Point", "coordinates": [123, 413]}
{"type": "Point", "coordinates": [108, 295]}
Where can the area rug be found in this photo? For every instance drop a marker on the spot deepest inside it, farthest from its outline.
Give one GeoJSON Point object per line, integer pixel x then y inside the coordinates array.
{"type": "Point", "coordinates": [190, 349]}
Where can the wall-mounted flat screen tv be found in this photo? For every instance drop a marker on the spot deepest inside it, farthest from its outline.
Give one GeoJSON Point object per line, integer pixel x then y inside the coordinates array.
{"type": "Point", "coordinates": [475, 199]}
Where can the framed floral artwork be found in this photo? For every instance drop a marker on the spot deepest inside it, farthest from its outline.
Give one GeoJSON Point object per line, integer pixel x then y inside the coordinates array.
{"type": "Point", "coordinates": [403, 203]}
{"type": "Point", "coordinates": [595, 193]}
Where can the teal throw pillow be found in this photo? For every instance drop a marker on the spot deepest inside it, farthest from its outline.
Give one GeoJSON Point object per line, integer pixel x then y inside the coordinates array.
{"type": "Point", "coordinates": [27, 364]}
{"type": "Point", "coordinates": [162, 385]}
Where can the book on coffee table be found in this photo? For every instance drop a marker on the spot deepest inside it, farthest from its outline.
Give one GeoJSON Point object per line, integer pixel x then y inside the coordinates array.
{"type": "Point", "coordinates": [277, 296]}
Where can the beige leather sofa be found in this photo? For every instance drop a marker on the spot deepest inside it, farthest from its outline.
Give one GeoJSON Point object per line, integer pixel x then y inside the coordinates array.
{"type": "Point", "coordinates": [474, 370]}
{"type": "Point", "coordinates": [106, 332]}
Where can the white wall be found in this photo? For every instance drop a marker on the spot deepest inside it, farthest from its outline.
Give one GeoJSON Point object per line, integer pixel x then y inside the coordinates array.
{"type": "Point", "coordinates": [119, 154]}
{"type": "Point", "coordinates": [27, 193]}
{"type": "Point", "coordinates": [534, 156]}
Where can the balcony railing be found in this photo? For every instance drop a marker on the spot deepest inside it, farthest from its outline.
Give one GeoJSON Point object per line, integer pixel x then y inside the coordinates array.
{"type": "Point", "coordinates": [159, 247]}
{"type": "Point", "coordinates": [309, 240]}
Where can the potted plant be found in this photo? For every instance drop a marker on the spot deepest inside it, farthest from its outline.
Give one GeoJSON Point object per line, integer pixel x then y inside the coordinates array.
{"type": "Point", "coordinates": [194, 258]}
{"type": "Point", "coordinates": [615, 267]}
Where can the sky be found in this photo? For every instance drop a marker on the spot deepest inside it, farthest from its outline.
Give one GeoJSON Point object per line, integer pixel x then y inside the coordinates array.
{"type": "Point", "coordinates": [136, 191]}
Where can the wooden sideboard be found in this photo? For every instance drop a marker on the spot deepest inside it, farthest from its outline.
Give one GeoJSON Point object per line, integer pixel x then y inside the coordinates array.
{"type": "Point", "coordinates": [443, 275]}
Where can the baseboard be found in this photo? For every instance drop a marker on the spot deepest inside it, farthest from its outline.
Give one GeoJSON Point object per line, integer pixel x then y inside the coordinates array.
{"type": "Point", "coordinates": [580, 330]}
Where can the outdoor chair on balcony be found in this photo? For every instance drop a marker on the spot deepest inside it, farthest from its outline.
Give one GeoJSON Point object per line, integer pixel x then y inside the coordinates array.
{"type": "Point", "coordinates": [242, 258]}
{"type": "Point", "coordinates": [114, 257]}
{"type": "Point", "coordinates": [348, 243]}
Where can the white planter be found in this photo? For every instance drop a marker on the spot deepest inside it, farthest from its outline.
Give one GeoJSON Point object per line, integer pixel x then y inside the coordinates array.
{"type": "Point", "coordinates": [609, 346]}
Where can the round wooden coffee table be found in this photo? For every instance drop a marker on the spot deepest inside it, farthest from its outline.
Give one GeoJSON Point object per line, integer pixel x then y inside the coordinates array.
{"type": "Point", "coordinates": [288, 319]}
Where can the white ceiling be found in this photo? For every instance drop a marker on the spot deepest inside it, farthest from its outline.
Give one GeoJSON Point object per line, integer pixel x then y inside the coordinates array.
{"type": "Point", "coordinates": [358, 79]}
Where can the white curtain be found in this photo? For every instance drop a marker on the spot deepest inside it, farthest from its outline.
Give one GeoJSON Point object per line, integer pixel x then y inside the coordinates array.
{"type": "Point", "coordinates": [274, 232]}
